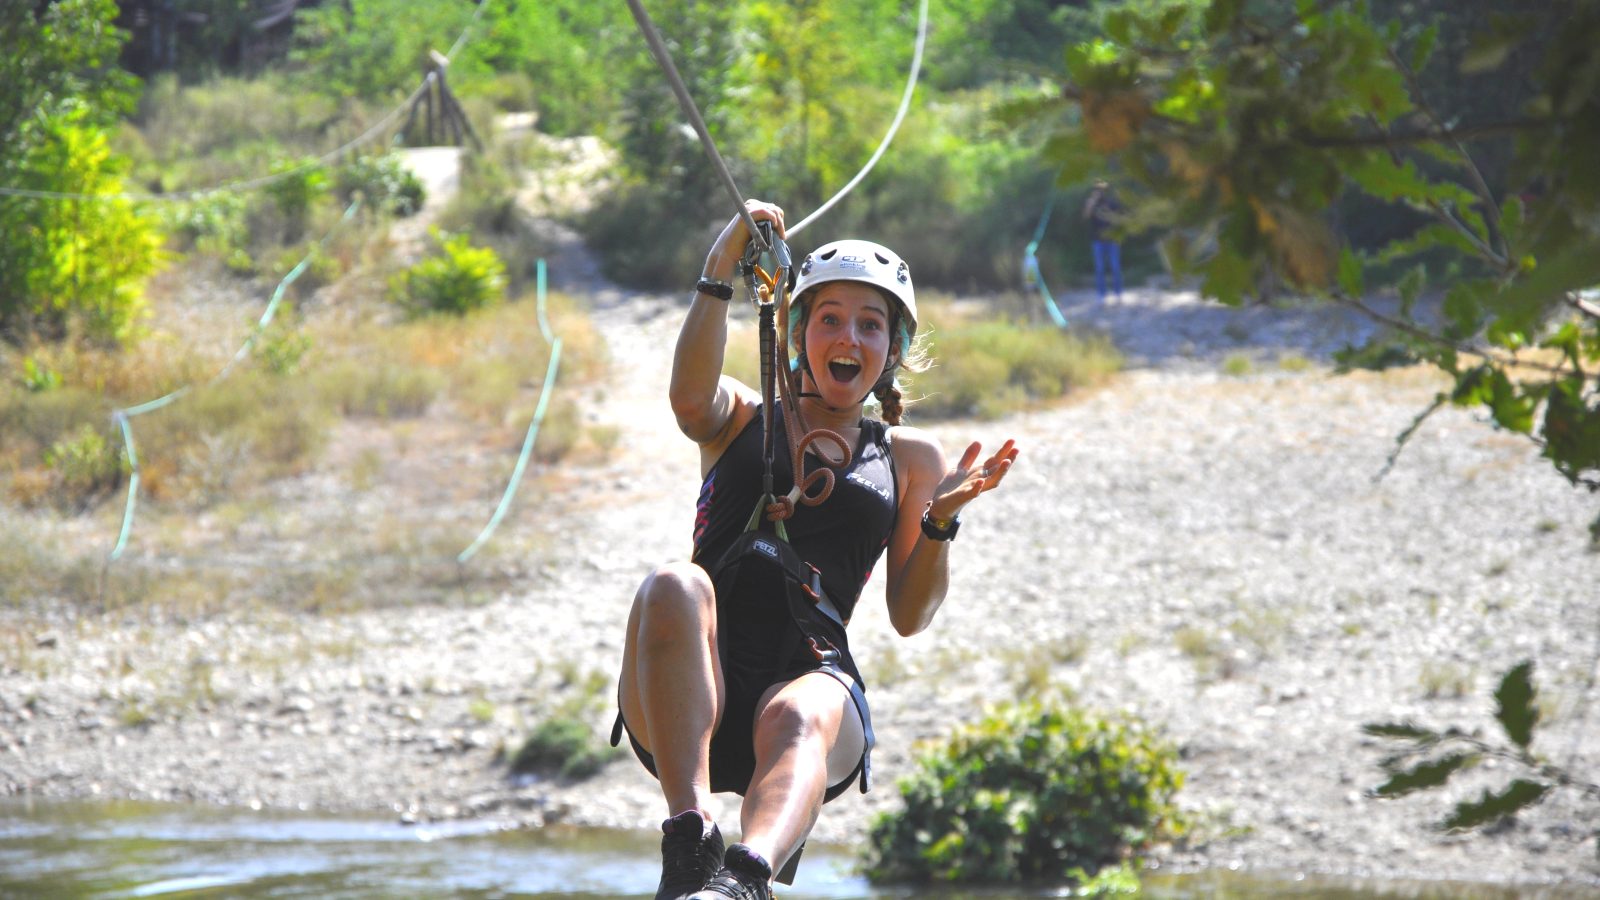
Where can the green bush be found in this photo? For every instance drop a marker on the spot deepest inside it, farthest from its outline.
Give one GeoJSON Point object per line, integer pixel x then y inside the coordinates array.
{"type": "Point", "coordinates": [84, 465]}
{"type": "Point", "coordinates": [461, 279]}
{"type": "Point", "coordinates": [384, 182]}
{"type": "Point", "coordinates": [1031, 793]}
{"type": "Point", "coordinates": [562, 745]}
{"type": "Point", "coordinates": [81, 262]}
{"type": "Point", "coordinates": [300, 185]}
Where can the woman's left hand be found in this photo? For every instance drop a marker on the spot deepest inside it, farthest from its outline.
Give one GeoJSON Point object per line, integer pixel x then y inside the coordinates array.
{"type": "Point", "coordinates": [963, 483]}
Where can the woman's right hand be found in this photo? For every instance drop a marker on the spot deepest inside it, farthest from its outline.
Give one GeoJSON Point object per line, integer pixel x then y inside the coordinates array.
{"type": "Point", "coordinates": [730, 244]}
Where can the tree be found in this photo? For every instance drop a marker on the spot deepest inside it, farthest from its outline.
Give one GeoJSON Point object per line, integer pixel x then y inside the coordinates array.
{"type": "Point", "coordinates": [67, 261]}
{"type": "Point", "coordinates": [1248, 121]}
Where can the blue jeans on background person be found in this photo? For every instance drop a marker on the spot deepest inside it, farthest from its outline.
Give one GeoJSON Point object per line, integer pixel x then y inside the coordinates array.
{"type": "Point", "coordinates": [1107, 253]}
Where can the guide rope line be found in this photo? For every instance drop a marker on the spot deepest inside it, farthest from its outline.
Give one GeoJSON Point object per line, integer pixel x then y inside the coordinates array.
{"type": "Point", "coordinates": [123, 415]}
{"type": "Point", "coordinates": [251, 184]}
{"type": "Point", "coordinates": [533, 427]}
{"type": "Point", "coordinates": [1030, 262]}
{"type": "Point", "coordinates": [899, 116]}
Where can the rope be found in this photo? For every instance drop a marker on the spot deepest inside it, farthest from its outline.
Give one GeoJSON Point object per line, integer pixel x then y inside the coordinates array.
{"type": "Point", "coordinates": [251, 184]}
{"type": "Point", "coordinates": [905, 104]}
{"type": "Point", "coordinates": [1030, 263]}
{"type": "Point", "coordinates": [533, 427]}
{"type": "Point", "coordinates": [664, 59]}
{"type": "Point", "coordinates": [121, 416]}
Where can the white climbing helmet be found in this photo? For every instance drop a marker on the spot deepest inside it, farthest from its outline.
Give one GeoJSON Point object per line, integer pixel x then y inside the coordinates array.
{"type": "Point", "coordinates": [866, 262]}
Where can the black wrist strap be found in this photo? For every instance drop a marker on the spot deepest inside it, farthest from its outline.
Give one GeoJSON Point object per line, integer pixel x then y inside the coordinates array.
{"type": "Point", "coordinates": [933, 532]}
{"type": "Point", "coordinates": [714, 288]}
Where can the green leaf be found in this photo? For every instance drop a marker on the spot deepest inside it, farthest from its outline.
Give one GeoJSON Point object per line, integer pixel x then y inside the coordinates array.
{"type": "Point", "coordinates": [1410, 287]}
{"type": "Point", "coordinates": [1523, 305]}
{"type": "Point", "coordinates": [1229, 277]}
{"type": "Point", "coordinates": [1511, 407]}
{"type": "Point", "coordinates": [1492, 807]}
{"type": "Point", "coordinates": [1423, 50]}
{"type": "Point", "coordinates": [1350, 279]}
{"type": "Point", "coordinates": [1424, 775]}
{"type": "Point", "coordinates": [1515, 707]}
{"type": "Point", "coordinates": [1401, 730]}
{"type": "Point", "coordinates": [1119, 26]}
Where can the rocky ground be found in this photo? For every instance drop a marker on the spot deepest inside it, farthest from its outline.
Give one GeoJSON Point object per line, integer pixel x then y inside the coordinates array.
{"type": "Point", "coordinates": [1211, 552]}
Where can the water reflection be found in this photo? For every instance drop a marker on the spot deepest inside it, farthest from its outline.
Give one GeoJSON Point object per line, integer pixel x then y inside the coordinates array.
{"type": "Point", "coordinates": [115, 850]}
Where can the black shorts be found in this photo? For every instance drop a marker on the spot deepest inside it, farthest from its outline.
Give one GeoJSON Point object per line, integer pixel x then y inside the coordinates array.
{"type": "Point", "coordinates": [753, 629]}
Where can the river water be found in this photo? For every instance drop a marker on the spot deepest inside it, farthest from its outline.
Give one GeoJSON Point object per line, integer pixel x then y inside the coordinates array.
{"type": "Point", "coordinates": [127, 850]}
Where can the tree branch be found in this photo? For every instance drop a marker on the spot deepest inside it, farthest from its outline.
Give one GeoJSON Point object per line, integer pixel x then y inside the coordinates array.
{"type": "Point", "coordinates": [1432, 136]}
{"type": "Point", "coordinates": [1502, 251]}
{"type": "Point", "coordinates": [1426, 335]}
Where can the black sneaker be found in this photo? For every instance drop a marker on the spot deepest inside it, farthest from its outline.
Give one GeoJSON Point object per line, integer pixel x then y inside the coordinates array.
{"type": "Point", "coordinates": [691, 852]}
{"type": "Point", "coordinates": [744, 876]}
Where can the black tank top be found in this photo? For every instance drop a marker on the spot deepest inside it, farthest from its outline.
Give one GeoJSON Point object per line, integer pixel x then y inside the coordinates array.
{"type": "Point", "coordinates": [843, 537]}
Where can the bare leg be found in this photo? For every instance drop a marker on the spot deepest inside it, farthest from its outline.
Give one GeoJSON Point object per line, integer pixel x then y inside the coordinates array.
{"type": "Point", "coordinates": [671, 686]}
{"type": "Point", "coordinates": [808, 736]}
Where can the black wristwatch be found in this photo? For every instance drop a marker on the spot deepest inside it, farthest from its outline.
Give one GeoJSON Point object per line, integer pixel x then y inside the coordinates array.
{"type": "Point", "coordinates": [714, 288]}
{"type": "Point", "coordinates": [939, 529]}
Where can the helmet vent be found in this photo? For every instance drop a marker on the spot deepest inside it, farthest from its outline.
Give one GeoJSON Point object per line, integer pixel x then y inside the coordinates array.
{"type": "Point", "coordinates": [830, 253]}
{"type": "Point", "coordinates": [881, 258]}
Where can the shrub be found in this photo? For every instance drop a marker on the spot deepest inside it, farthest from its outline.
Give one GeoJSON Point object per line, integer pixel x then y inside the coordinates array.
{"type": "Point", "coordinates": [81, 262]}
{"type": "Point", "coordinates": [461, 279]}
{"type": "Point", "coordinates": [300, 185]}
{"type": "Point", "coordinates": [1031, 793]}
{"type": "Point", "coordinates": [384, 182]}
{"type": "Point", "coordinates": [84, 465]}
{"type": "Point", "coordinates": [562, 745]}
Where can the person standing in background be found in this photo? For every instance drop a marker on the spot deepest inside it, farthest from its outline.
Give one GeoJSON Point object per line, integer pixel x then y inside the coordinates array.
{"type": "Point", "coordinates": [1102, 211]}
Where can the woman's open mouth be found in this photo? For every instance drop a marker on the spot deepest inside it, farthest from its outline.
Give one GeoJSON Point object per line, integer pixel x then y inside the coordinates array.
{"type": "Point", "coordinates": [843, 370]}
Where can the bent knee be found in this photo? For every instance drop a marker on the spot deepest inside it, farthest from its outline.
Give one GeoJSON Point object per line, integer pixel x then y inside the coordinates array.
{"type": "Point", "coordinates": [674, 596]}
{"type": "Point", "coordinates": [793, 718]}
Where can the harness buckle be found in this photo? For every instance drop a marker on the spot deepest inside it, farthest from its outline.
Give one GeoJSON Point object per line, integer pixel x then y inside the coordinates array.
{"type": "Point", "coordinates": [828, 655]}
{"type": "Point", "coordinates": [813, 588]}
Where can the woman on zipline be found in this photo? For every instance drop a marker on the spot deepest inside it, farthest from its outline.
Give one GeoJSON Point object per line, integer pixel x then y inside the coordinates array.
{"type": "Point", "coordinates": [739, 679]}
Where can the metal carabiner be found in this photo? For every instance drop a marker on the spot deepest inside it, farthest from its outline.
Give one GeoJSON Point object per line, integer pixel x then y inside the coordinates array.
{"type": "Point", "coordinates": [757, 278]}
